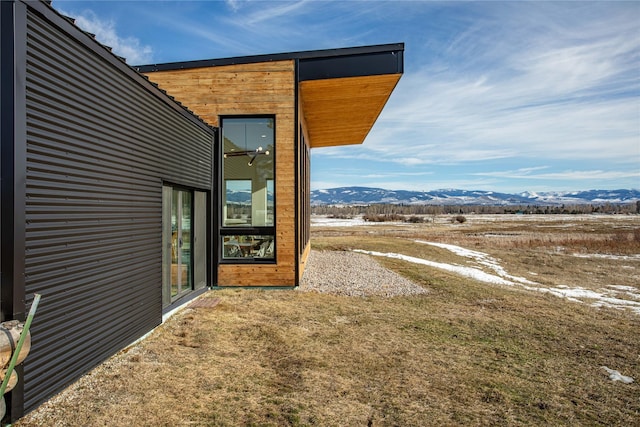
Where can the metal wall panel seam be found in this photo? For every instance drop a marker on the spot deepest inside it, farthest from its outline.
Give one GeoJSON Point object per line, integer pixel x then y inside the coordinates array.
{"type": "Point", "coordinates": [126, 154]}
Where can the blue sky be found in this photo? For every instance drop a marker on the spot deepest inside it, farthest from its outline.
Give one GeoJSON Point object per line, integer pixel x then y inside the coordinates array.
{"type": "Point", "coordinates": [501, 96]}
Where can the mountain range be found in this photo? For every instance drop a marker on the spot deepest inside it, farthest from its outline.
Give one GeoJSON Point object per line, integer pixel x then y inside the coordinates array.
{"type": "Point", "coordinates": [366, 195]}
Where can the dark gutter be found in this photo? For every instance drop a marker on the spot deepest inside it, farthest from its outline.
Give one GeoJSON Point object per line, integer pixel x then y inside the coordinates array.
{"type": "Point", "coordinates": [360, 65]}
{"type": "Point", "coordinates": [302, 55]}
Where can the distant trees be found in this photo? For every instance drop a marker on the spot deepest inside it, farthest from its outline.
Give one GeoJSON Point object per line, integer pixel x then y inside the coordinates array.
{"type": "Point", "coordinates": [393, 217]}
{"type": "Point", "coordinates": [374, 211]}
{"type": "Point", "coordinates": [461, 219]}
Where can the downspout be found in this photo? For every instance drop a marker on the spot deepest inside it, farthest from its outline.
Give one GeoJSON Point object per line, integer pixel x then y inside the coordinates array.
{"type": "Point", "coordinates": [214, 234]}
{"type": "Point", "coordinates": [296, 154]}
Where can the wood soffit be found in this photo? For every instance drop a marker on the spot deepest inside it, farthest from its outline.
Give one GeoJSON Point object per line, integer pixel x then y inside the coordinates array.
{"type": "Point", "coordinates": [342, 111]}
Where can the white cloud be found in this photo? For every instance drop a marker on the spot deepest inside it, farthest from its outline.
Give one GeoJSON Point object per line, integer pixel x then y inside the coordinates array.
{"type": "Point", "coordinates": [297, 25]}
{"type": "Point", "coordinates": [381, 175]}
{"type": "Point", "coordinates": [516, 173]}
{"type": "Point", "coordinates": [560, 91]}
{"type": "Point", "coordinates": [233, 4]}
{"type": "Point", "coordinates": [128, 47]}
{"type": "Point", "coordinates": [541, 83]}
{"type": "Point", "coordinates": [530, 114]}
{"type": "Point", "coordinates": [235, 27]}
{"type": "Point", "coordinates": [528, 173]}
{"type": "Point", "coordinates": [273, 11]}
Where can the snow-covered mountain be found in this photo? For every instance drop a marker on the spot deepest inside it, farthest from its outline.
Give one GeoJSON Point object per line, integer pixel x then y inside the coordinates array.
{"type": "Point", "coordinates": [366, 195]}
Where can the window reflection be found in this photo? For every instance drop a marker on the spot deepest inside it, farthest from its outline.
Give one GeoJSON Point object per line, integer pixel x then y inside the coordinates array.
{"type": "Point", "coordinates": [248, 189]}
{"type": "Point", "coordinates": [247, 247]}
{"type": "Point", "coordinates": [248, 170]}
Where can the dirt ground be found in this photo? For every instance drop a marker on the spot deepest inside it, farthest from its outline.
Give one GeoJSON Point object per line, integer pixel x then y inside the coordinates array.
{"type": "Point", "coordinates": [468, 352]}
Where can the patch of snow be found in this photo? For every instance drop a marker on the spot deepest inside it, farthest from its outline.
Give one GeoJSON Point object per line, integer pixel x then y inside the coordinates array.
{"type": "Point", "coordinates": [617, 303]}
{"type": "Point", "coordinates": [323, 221]}
{"type": "Point", "coordinates": [481, 257]}
{"type": "Point", "coordinates": [604, 298]}
{"type": "Point", "coordinates": [458, 250]}
{"type": "Point", "coordinates": [617, 376]}
{"type": "Point", "coordinates": [336, 222]}
{"type": "Point", "coordinates": [574, 293]}
{"type": "Point", "coordinates": [635, 257]}
{"type": "Point", "coordinates": [470, 272]}
{"type": "Point", "coordinates": [626, 288]}
{"type": "Point", "coordinates": [630, 291]}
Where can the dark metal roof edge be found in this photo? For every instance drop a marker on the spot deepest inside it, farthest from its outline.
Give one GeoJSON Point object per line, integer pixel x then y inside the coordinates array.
{"type": "Point", "coordinates": [302, 55]}
{"type": "Point", "coordinates": [44, 8]}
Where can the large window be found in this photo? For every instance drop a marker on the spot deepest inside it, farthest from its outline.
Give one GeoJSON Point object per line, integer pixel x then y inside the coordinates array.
{"type": "Point", "coordinates": [248, 207]}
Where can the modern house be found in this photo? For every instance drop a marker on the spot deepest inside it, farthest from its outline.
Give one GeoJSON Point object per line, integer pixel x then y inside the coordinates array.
{"type": "Point", "coordinates": [271, 110]}
{"type": "Point", "coordinates": [127, 191]}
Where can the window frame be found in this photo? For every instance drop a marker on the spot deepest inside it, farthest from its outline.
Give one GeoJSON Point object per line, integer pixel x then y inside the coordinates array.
{"type": "Point", "coordinates": [226, 231]}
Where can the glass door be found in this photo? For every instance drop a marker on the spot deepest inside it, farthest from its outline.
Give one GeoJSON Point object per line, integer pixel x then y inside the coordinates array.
{"type": "Point", "coordinates": [199, 239]}
{"type": "Point", "coordinates": [180, 242]}
{"type": "Point", "coordinates": [177, 243]}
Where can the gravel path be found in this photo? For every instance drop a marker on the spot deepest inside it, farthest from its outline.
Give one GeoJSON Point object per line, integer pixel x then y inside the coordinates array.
{"type": "Point", "coordinates": [353, 274]}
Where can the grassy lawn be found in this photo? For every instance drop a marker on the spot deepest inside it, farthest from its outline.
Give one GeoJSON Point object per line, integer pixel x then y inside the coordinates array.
{"type": "Point", "coordinates": [466, 353]}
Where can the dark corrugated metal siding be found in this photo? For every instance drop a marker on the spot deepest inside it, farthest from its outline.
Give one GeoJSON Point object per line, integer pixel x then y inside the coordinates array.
{"type": "Point", "coordinates": [99, 146]}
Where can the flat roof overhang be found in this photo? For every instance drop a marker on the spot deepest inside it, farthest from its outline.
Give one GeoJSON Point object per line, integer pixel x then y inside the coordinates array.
{"type": "Point", "coordinates": [342, 91]}
{"type": "Point", "coordinates": [342, 111]}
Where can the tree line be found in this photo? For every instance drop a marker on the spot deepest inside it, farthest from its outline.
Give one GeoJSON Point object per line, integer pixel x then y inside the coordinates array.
{"type": "Point", "coordinates": [404, 209]}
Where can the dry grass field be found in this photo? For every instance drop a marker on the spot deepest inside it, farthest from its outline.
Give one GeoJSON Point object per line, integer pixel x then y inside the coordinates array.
{"type": "Point", "coordinates": [522, 314]}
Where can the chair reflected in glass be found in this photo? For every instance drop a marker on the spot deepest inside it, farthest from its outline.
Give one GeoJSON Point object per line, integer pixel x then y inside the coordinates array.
{"type": "Point", "coordinates": [251, 247]}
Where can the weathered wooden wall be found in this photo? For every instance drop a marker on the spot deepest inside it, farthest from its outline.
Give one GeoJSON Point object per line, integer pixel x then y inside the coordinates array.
{"type": "Point", "coordinates": [250, 89]}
